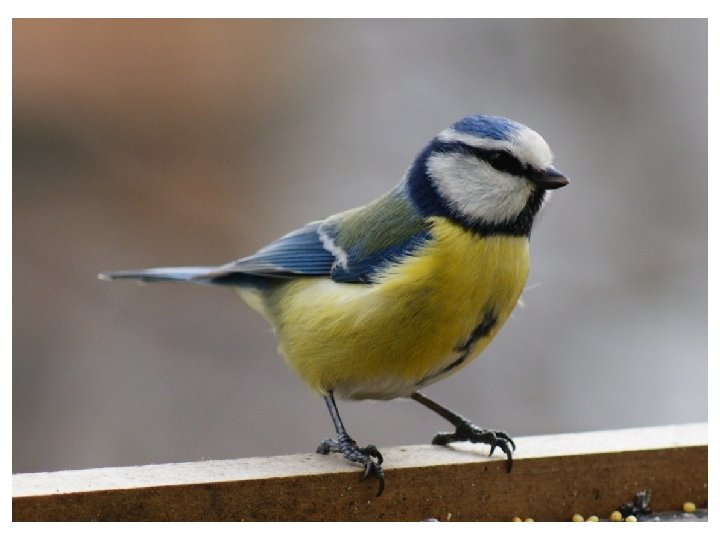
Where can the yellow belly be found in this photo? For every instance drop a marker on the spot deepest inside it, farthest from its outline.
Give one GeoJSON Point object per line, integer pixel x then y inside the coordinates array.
{"type": "Point", "coordinates": [423, 320]}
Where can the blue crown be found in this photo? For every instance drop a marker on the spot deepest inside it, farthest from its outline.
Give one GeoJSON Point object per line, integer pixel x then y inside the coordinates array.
{"type": "Point", "coordinates": [492, 127]}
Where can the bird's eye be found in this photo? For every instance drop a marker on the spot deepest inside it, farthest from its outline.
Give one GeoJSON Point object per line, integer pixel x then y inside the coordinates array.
{"type": "Point", "coordinates": [502, 161]}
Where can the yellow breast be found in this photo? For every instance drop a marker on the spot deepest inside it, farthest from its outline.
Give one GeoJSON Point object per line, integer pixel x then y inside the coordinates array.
{"type": "Point", "coordinates": [423, 319]}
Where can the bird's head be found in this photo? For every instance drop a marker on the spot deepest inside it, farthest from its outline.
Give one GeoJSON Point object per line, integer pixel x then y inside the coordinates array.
{"type": "Point", "coordinates": [488, 173]}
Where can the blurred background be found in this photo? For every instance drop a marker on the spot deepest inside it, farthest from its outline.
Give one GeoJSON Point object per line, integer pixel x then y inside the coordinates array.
{"type": "Point", "coordinates": [170, 142]}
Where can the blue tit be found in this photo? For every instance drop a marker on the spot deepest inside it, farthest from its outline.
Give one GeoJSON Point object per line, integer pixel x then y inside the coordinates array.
{"type": "Point", "coordinates": [380, 301]}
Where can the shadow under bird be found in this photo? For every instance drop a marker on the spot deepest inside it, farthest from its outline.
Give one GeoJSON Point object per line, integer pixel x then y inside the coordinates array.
{"type": "Point", "coordinates": [380, 301]}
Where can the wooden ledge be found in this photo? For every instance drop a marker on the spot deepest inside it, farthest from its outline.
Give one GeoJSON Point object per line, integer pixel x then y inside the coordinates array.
{"type": "Point", "coordinates": [554, 476]}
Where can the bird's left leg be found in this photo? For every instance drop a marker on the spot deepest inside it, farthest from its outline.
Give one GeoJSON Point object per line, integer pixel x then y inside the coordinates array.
{"type": "Point", "coordinates": [346, 446]}
{"type": "Point", "coordinates": [466, 431]}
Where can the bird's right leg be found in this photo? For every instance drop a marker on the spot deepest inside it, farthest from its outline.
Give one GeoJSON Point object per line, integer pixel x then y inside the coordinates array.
{"type": "Point", "coordinates": [369, 457]}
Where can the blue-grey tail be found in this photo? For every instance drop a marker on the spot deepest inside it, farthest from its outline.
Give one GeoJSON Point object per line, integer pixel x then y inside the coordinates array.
{"type": "Point", "coordinates": [193, 274]}
{"type": "Point", "coordinates": [200, 275]}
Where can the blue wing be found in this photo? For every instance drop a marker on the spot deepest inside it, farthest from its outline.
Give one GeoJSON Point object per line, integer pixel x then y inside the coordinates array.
{"type": "Point", "coordinates": [351, 247]}
{"type": "Point", "coordinates": [299, 253]}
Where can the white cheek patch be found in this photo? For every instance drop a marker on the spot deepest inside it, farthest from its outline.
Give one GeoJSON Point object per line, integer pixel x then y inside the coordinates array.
{"type": "Point", "coordinates": [525, 144]}
{"type": "Point", "coordinates": [476, 190]}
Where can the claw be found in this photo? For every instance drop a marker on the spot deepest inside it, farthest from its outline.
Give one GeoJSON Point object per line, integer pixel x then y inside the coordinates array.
{"type": "Point", "coordinates": [381, 484]}
{"type": "Point", "coordinates": [362, 456]}
{"type": "Point", "coordinates": [505, 437]}
{"type": "Point", "coordinates": [327, 446]}
{"type": "Point", "coordinates": [374, 452]}
{"type": "Point", "coordinates": [467, 432]}
{"type": "Point", "coordinates": [346, 446]}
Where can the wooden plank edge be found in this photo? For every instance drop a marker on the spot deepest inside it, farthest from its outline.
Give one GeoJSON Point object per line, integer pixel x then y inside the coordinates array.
{"type": "Point", "coordinates": [552, 473]}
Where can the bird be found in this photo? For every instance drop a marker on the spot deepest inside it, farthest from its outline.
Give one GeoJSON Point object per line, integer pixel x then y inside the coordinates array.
{"type": "Point", "coordinates": [380, 301]}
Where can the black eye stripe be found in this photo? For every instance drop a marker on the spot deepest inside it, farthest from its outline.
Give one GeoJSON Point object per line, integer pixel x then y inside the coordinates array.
{"type": "Point", "coordinates": [500, 160]}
